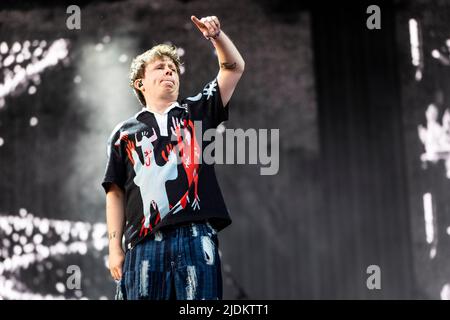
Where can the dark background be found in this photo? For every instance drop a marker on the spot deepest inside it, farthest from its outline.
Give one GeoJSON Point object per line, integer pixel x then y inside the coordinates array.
{"type": "Point", "coordinates": [350, 185]}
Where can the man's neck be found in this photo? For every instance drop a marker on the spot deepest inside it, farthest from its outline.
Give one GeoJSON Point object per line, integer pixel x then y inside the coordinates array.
{"type": "Point", "coordinates": [158, 105]}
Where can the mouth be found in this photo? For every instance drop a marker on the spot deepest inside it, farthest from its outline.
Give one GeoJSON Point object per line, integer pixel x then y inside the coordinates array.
{"type": "Point", "coordinates": [168, 81]}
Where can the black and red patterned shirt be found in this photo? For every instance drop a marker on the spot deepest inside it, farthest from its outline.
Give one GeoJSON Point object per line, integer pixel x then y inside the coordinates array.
{"type": "Point", "coordinates": [156, 160]}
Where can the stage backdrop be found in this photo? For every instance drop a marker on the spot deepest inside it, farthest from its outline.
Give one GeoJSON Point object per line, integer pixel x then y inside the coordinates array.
{"type": "Point", "coordinates": [62, 92]}
{"type": "Point", "coordinates": [424, 54]}
{"type": "Point", "coordinates": [364, 146]}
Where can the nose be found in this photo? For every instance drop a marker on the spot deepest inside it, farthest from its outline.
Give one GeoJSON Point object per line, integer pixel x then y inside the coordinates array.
{"type": "Point", "coordinates": [168, 71]}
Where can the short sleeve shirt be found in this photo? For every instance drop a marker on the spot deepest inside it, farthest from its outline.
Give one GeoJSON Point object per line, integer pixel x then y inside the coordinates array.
{"type": "Point", "coordinates": [156, 160]}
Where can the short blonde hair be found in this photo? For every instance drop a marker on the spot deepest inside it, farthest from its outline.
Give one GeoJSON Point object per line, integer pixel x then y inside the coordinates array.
{"type": "Point", "coordinates": [139, 63]}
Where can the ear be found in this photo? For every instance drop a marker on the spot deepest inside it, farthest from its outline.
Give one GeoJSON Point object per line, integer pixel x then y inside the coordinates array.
{"type": "Point", "coordinates": [137, 84]}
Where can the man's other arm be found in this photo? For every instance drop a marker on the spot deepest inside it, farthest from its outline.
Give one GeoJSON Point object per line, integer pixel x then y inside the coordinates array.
{"type": "Point", "coordinates": [115, 220]}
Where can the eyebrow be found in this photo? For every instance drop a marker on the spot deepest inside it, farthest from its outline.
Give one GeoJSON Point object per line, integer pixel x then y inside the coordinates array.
{"type": "Point", "coordinates": [171, 65]}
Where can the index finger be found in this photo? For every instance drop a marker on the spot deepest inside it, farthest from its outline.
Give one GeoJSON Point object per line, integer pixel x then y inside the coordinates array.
{"type": "Point", "coordinates": [197, 22]}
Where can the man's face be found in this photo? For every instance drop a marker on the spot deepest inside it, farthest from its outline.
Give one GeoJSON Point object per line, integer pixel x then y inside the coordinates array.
{"type": "Point", "coordinates": [162, 79]}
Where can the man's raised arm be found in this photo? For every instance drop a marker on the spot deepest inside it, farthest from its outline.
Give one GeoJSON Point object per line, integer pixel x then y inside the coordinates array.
{"type": "Point", "coordinates": [230, 60]}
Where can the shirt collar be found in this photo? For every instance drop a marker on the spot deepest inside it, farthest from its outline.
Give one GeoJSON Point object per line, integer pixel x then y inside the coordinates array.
{"type": "Point", "coordinates": [173, 105]}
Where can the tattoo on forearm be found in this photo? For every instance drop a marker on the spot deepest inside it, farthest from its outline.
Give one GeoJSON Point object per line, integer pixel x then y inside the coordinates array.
{"type": "Point", "coordinates": [227, 65]}
{"type": "Point", "coordinates": [112, 235]}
